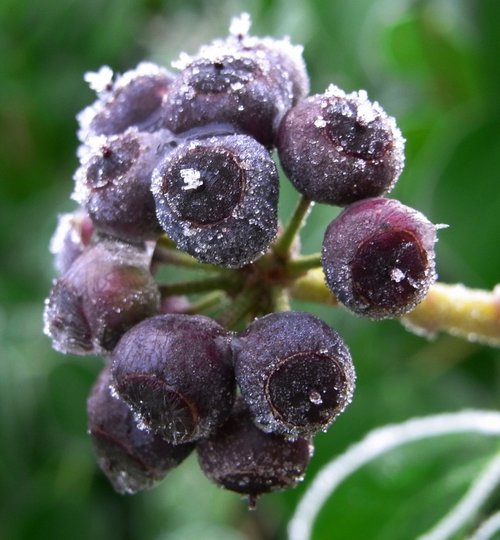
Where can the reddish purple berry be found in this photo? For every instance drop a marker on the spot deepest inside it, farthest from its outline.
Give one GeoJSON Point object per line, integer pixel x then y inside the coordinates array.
{"type": "Point", "coordinates": [176, 373]}
{"type": "Point", "coordinates": [242, 458]}
{"type": "Point", "coordinates": [378, 257]}
{"type": "Point", "coordinates": [133, 459]}
{"type": "Point", "coordinates": [295, 373]}
{"type": "Point", "coordinates": [337, 148]}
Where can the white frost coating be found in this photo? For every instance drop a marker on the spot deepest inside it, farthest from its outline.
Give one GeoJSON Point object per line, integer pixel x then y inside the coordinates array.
{"type": "Point", "coordinates": [191, 178]}
{"type": "Point", "coordinates": [320, 122]}
{"type": "Point", "coordinates": [376, 443]}
{"type": "Point", "coordinates": [488, 528]}
{"type": "Point", "coordinates": [240, 25]}
{"type": "Point", "coordinates": [469, 505]}
{"type": "Point", "coordinates": [65, 227]}
{"type": "Point", "coordinates": [397, 275]}
{"type": "Point", "coordinates": [99, 81]}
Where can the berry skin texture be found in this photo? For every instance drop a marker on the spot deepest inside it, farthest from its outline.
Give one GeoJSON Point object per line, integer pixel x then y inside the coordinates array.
{"type": "Point", "coordinates": [217, 198]}
{"type": "Point", "coordinates": [175, 372]}
{"type": "Point", "coordinates": [242, 458]}
{"type": "Point", "coordinates": [107, 290]}
{"type": "Point", "coordinates": [378, 257]}
{"type": "Point", "coordinates": [295, 373]}
{"type": "Point", "coordinates": [133, 459]}
{"type": "Point", "coordinates": [228, 86]}
{"type": "Point", "coordinates": [134, 99]}
{"type": "Point", "coordinates": [113, 183]}
{"type": "Point", "coordinates": [338, 148]}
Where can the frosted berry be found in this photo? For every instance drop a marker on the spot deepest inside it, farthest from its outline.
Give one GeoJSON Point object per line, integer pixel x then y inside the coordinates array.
{"type": "Point", "coordinates": [378, 257]}
{"type": "Point", "coordinates": [228, 86]}
{"type": "Point", "coordinates": [114, 182]}
{"type": "Point", "coordinates": [73, 234]}
{"type": "Point", "coordinates": [134, 99]}
{"type": "Point", "coordinates": [242, 458]}
{"type": "Point", "coordinates": [217, 198]}
{"type": "Point", "coordinates": [133, 459]}
{"type": "Point", "coordinates": [175, 371]}
{"type": "Point", "coordinates": [106, 290]}
{"type": "Point", "coordinates": [294, 371]}
{"type": "Point", "coordinates": [337, 148]}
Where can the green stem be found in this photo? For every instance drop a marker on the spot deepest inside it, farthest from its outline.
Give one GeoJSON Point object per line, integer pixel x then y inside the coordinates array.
{"type": "Point", "coordinates": [178, 258]}
{"type": "Point", "coordinates": [285, 241]}
{"type": "Point", "coordinates": [165, 242]}
{"type": "Point", "coordinates": [238, 309]}
{"type": "Point", "coordinates": [220, 283]}
{"type": "Point", "coordinates": [299, 265]}
{"type": "Point", "coordinates": [280, 299]}
{"type": "Point", "coordinates": [206, 302]}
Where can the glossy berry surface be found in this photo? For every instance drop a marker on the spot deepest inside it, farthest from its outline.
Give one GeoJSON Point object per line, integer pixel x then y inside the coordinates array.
{"type": "Point", "coordinates": [175, 372]}
{"type": "Point", "coordinates": [337, 148]}
{"type": "Point", "coordinates": [107, 290]}
{"type": "Point", "coordinates": [294, 371]}
{"type": "Point", "coordinates": [378, 257]}
{"type": "Point", "coordinates": [242, 458]}
{"type": "Point", "coordinates": [134, 99]}
{"type": "Point", "coordinates": [217, 198]}
{"type": "Point", "coordinates": [133, 459]}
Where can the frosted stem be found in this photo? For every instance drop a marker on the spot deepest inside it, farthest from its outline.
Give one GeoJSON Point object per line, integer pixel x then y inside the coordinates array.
{"type": "Point", "coordinates": [376, 443]}
{"type": "Point", "coordinates": [471, 314]}
{"type": "Point", "coordinates": [487, 528]}
{"type": "Point", "coordinates": [285, 241]}
{"type": "Point", "coordinates": [469, 505]}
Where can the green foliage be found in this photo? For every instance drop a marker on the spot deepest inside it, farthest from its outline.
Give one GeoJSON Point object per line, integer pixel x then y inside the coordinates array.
{"type": "Point", "coordinates": [434, 66]}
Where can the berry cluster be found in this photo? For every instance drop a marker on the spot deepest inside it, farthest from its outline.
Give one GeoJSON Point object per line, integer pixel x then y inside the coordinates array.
{"type": "Point", "coordinates": [177, 169]}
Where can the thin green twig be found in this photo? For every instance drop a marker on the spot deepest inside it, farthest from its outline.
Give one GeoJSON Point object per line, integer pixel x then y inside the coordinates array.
{"type": "Point", "coordinates": [285, 241]}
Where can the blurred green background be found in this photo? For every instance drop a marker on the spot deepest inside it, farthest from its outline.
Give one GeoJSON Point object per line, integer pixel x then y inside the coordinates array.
{"type": "Point", "coordinates": [431, 64]}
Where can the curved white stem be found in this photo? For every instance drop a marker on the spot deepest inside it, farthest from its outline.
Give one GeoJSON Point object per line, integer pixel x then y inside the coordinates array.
{"type": "Point", "coordinates": [487, 528]}
{"type": "Point", "coordinates": [376, 443]}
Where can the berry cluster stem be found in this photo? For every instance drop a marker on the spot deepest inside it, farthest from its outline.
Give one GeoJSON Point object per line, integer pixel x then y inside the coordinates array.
{"type": "Point", "coordinates": [472, 314]}
{"type": "Point", "coordinates": [285, 241]}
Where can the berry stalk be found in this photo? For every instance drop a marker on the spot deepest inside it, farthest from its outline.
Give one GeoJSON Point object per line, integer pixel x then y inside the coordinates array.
{"type": "Point", "coordinates": [297, 221]}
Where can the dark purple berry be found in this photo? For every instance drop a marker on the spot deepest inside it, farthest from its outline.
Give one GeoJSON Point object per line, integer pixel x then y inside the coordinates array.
{"type": "Point", "coordinates": [106, 290]}
{"type": "Point", "coordinates": [337, 148]}
{"type": "Point", "coordinates": [378, 257]}
{"type": "Point", "coordinates": [175, 371]}
{"type": "Point", "coordinates": [242, 458]}
{"type": "Point", "coordinates": [295, 373]}
{"type": "Point", "coordinates": [114, 183]}
{"type": "Point", "coordinates": [217, 198]}
{"type": "Point", "coordinates": [73, 234]}
{"type": "Point", "coordinates": [132, 458]}
{"type": "Point", "coordinates": [221, 85]}
{"type": "Point", "coordinates": [134, 99]}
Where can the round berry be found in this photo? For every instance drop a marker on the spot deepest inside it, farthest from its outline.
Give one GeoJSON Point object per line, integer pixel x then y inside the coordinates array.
{"type": "Point", "coordinates": [242, 458]}
{"type": "Point", "coordinates": [175, 371]}
{"type": "Point", "coordinates": [131, 457]}
{"type": "Point", "coordinates": [134, 99]}
{"type": "Point", "coordinates": [217, 198]}
{"type": "Point", "coordinates": [106, 290]}
{"type": "Point", "coordinates": [114, 183]}
{"type": "Point", "coordinates": [295, 373]}
{"type": "Point", "coordinates": [72, 235]}
{"type": "Point", "coordinates": [228, 86]}
{"type": "Point", "coordinates": [378, 257]}
{"type": "Point", "coordinates": [337, 148]}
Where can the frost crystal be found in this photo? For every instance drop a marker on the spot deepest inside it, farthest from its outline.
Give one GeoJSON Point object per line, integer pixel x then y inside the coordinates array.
{"type": "Point", "coordinates": [100, 81]}
{"type": "Point", "coordinates": [240, 25]}
{"type": "Point", "coordinates": [192, 179]}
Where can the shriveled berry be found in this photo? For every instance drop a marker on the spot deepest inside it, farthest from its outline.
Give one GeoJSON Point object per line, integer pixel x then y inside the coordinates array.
{"type": "Point", "coordinates": [217, 198]}
{"type": "Point", "coordinates": [378, 257]}
{"type": "Point", "coordinates": [106, 290]}
{"type": "Point", "coordinates": [133, 459]}
{"type": "Point", "coordinates": [294, 371]}
{"type": "Point", "coordinates": [228, 86]}
{"type": "Point", "coordinates": [134, 99]}
{"type": "Point", "coordinates": [72, 235]}
{"type": "Point", "coordinates": [114, 183]}
{"type": "Point", "coordinates": [337, 148]}
{"type": "Point", "coordinates": [242, 458]}
{"type": "Point", "coordinates": [175, 371]}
